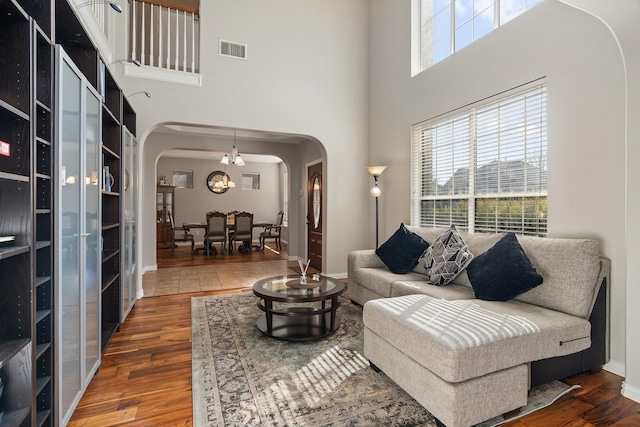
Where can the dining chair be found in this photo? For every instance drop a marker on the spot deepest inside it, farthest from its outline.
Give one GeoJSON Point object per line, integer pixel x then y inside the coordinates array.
{"type": "Point", "coordinates": [243, 228]}
{"type": "Point", "coordinates": [216, 230]}
{"type": "Point", "coordinates": [179, 234]}
{"type": "Point", "coordinates": [273, 232]}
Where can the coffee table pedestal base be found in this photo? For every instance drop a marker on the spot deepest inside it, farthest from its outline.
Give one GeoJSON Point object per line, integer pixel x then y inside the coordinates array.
{"type": "Point", "coordinates": [299, 328]}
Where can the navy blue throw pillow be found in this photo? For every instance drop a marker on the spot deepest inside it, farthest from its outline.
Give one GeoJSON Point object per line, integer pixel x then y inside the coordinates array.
{"type": "Point", "coordinates": [503, 272]}
{"type": "Point", "coordinates": [401, 251]}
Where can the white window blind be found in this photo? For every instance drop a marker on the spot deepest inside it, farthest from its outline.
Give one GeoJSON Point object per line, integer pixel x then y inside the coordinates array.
{"type": "Point", "coordinates": [484, 169]}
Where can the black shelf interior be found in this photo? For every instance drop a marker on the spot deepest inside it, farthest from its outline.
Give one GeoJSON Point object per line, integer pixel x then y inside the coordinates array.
{"type": "Point", "coordinates": [15, 217]}
{"type": "Point", "coordinates": [128, 116]}
{"type": "Point", "coordinates": [112, 95]}
{"type": "Point", "coordinates": [15, 66]}
{"type": "Point", "coordinates": [15, 131]}
{"type": "Point", "coordinates": [40, 11]}
{"type": "Point", "coordinates": [111, 133]}
{"type": "Point", "coordinates": [44, 66]}
{"type": "Point", "coordinates": [15, 298]}
{"type": "Point", "coordinates": [70, 34]}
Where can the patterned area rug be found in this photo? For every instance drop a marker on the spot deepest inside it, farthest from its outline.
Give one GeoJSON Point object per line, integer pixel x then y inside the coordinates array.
{"type": "Point", "coordinates": [242, 378]}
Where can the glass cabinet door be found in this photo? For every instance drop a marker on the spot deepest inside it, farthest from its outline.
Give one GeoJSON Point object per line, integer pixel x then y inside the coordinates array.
{"type": "Point", "coordinates": [69, 249]}
{"type": "Point", "coordinates": [92, 231]}
{"type": "Point", "coordinates": [77, 235]}
{"type": "Point", "coordinates": [129, 287]}
{"type": "Point", "coordinates": [159, 207]}
{"type": "Point", "coordinates": [169, 207]}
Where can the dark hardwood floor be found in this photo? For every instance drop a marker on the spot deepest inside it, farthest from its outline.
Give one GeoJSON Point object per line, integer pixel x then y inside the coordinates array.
{"type": "Point", "coordinates": [145, 376]}
{"type": "Point", "coordinates": [181, 256]}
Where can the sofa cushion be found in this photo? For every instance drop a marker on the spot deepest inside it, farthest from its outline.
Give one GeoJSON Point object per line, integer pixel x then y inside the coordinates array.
{"type": "Point", "coordinates": [502, 272]}
{"type": "Point", "coordinates": [379, 280]}
{"type": "Point", "coordinates": [570, 269]}
{"type": "Point", "coordinates": [445, 258]}
{"type": "Point", "coordinates": [452, 291]}
{"type": "Point", "coordinates": [459, 340]}
{"type": "Point", "coordinates": [401, 251]}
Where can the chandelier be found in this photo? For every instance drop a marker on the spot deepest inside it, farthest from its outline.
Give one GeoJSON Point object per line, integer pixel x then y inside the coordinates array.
{"type": "Point", "coordinates": [234, 157]}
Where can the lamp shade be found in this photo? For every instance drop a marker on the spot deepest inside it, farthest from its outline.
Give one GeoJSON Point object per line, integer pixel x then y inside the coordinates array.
{"type": "Point", "coordinates": [375, 191]}
{"type": "Point", "coordinates": [376, 170]}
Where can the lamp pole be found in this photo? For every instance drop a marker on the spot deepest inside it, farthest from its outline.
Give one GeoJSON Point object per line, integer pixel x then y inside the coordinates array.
{"type": "Point", "coordinates": [376, 171]}
{"type": "Point", "coordinates": [375, 184]}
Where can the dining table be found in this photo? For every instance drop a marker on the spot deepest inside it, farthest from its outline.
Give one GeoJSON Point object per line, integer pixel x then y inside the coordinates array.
{"type": "Point", "coordinates": [188, 226]}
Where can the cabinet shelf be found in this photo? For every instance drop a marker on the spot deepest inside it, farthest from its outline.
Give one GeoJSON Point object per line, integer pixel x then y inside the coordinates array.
{"type": "Point", "coordinates": [41, 417]}
{"type": "Point", "coordinates": [41, 348]}
{"type": "Point", "coordinates": [15, 418]}
{"type": "Point", "coordinates": [41, 383]}
{"type": "Point", "coordinates": [43, 141]}
{"type": "Point", "coordinates": [43, 244]}
{"type": "Point", "coordinates": [110, 193]}
{"type": "Point", "coordinates": [110, 152]}
{"type": "Point", "coordinates": [13, 110]}
{"type": "Point", "coordinates": [43, 176]}
{"type": "Point", "coordinates": [10, 251]}
{"type": "Point", "coordinates": [43, 211]}
{"type": "Point", "coordinates": [41, 315]}
{"type": "Point", "coordinates": [42, 280]}
{"type": "Point", "coordinates": [107, 255]}
{"type": "Point", "coordinates": [109, 280]}
{"type": "Point", "coordinates": [10, 348]}
{"type": "Point", "coordinates": [109, 112]}
{"type": "Point", "coordinates": [14, 177]}
{"type": "Point", "coordinates": [41, 105]}
{"type": "Point", "coordinates": [110, 226]}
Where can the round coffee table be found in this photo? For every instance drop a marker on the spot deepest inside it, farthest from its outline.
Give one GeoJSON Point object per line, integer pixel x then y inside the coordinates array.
{"type": "Point", "coordinates": [303, 314]}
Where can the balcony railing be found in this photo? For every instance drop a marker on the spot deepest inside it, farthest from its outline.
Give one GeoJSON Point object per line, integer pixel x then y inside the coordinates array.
{"type": "Point", "coordinates": [164, 37]}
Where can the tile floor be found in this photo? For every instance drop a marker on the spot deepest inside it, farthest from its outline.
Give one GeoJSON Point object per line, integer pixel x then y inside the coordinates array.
{"type": "Point", "coordinates": [178, 280]}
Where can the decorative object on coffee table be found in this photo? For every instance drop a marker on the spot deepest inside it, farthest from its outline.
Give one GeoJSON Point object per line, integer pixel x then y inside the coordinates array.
{"type": "Point", "coordinates": [303, 271]}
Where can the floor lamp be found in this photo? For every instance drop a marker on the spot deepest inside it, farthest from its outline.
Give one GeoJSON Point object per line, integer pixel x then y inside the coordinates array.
{"type": "Point", "coordinates": [375, 172]}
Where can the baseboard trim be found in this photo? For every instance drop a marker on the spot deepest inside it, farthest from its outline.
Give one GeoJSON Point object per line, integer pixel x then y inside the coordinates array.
{"type": "Point", "coordinates": [631, 392]}
{"type": "Point", "coordinates": [146, 268]}
{"type": "Point", "coordinates": [615, 367]}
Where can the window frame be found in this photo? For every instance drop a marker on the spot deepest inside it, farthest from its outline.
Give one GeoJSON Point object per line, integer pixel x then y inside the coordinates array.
{"type": "Point", "coordinates": [421, 21]}
{"type": "Point", "coordinates": [532, 195]}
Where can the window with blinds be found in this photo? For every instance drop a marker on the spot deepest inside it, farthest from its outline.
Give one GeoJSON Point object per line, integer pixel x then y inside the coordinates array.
{"type": "Point", "coordinates": [484, 169]}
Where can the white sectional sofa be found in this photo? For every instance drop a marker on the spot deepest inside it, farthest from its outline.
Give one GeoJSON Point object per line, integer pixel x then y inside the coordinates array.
{"type": "Point", "coordinates": [467, 360]}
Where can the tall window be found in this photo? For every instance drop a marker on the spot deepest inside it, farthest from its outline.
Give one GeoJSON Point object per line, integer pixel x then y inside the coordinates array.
{"type": "Point", "coordinates": [484, 169]}
{"type": "Point", "coordinates": [449, 25]}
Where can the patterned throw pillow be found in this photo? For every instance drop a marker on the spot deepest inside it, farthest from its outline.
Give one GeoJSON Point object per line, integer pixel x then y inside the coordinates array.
{"type": "Point", "coordinates": [446, 257]}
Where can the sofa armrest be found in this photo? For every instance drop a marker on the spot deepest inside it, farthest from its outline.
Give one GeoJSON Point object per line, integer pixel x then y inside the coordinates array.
{"type": "Point", "coordinates": [361, 259]}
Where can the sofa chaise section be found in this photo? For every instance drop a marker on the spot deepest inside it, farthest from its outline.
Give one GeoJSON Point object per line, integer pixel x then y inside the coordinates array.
{"type": "Point", "coordinates": [453, 352]}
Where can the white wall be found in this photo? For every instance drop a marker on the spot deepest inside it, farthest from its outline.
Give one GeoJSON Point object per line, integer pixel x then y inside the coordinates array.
{"type": "Point", "coordinates": [581, 63]}
{"type": "Point", "coordinates": [622, 20]}
{"type": "Point", "coordinates": [192, 204]}
{"type": "Point", "coordinates": [306, 74]}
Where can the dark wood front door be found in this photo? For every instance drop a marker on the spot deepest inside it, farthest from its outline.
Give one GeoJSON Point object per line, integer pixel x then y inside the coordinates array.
{"type": "Point", "coordinates": [314, 215]}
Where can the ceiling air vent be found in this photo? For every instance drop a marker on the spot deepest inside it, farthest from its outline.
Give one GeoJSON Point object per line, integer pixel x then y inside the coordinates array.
{"type": "Point", "coordinates": [234, 50]}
